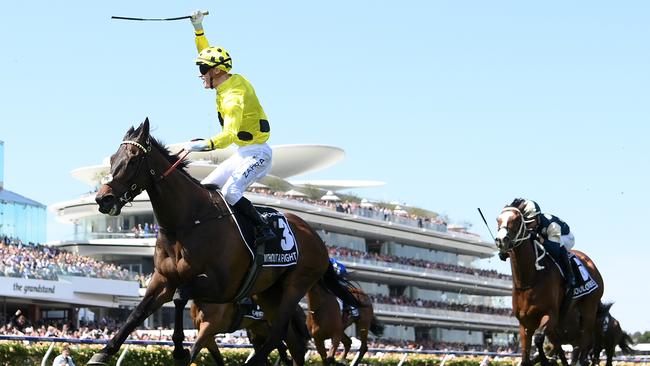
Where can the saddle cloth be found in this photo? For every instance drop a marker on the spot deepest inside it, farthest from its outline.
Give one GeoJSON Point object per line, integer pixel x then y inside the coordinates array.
{"type": "Point", "coordinates": [279, 252]}
{"type": "Point", "coordinates": [251, 309]}
{"type": "Point", "coordinates": [585, 284]}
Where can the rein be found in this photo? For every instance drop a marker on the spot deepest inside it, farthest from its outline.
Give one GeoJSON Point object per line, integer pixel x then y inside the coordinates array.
{"type": "Point", "coordinates": [523, 235]}
{"type": "Point", "coordinates": [128, 197]}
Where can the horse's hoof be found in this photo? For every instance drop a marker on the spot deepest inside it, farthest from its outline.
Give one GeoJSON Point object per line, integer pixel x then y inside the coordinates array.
{"type": "Point", "coordinates": [98, 359]}
{"type": "Point", "coordinates": [181, 358]}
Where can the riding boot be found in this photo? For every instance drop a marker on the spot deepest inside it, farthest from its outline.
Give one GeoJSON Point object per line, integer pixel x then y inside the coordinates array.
{"type": "Point", "coordinates": [565, 262]}
{"type": "Point", "coordinates": [263, 231]}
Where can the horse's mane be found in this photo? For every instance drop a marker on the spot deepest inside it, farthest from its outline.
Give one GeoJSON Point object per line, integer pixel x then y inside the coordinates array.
{"type": "Point", "coordinates": [182, 167]}
{"type": "Point", "coordinates": [160, 146]}
{"type": "Point", "coordinates": [517, 203]}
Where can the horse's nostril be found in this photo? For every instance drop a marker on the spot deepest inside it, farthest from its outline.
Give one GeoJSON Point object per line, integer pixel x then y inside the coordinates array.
{"type": "Point", "coordinates": [108, 199]}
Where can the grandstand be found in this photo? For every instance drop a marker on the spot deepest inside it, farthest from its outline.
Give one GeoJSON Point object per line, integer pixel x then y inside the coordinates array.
{"type": "Point", "coordinates": [420, 271]}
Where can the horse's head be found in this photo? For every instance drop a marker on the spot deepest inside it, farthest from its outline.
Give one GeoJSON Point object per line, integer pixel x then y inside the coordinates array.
{"type": "Point", "coordinates": [512, 227]}
{"type": "Point", "coordinates": [129, 172]}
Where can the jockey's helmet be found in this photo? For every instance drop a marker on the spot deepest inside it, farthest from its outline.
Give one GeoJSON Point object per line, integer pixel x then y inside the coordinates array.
{"type": "Point", "coordinates": [214, 57]}
{"type": "Point", "coordinates": [530, 211]}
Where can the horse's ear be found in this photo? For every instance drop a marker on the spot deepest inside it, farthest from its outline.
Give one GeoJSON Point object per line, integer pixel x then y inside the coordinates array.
{"type": "Point", "coordinates": [143, 130]}
{"type": "Point", "coordinates": [129, 133]}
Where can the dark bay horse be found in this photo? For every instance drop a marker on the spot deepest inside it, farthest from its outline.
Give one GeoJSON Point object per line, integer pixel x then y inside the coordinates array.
{"type": "Point", "coordinates": [199, 246]}
{"type": "Point", "coordinates": [211, 319]}
{"type": "Point", "coordinates": [539, 290]}
{"type": "Point", "coordinates": [326, 321]}
{"type": "Point", "coordinates": [609, 334]}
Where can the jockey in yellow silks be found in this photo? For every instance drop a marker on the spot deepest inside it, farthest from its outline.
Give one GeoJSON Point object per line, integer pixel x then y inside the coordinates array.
{"type": "Point", "coordinates": [243, 123]}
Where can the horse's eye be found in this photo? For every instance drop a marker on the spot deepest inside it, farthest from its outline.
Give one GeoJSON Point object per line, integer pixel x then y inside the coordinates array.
{"type": "Point", "coordinates": [107, 178]}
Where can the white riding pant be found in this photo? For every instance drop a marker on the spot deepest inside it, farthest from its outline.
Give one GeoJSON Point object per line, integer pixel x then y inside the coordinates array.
{"type": "Point", "coordinates": [238, 172]}
{"type": "Point", "coordinates": [567, 241]}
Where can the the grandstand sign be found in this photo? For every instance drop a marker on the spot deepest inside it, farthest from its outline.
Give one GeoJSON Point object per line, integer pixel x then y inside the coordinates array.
{"type": "Point", "coordinates": [70, 289]}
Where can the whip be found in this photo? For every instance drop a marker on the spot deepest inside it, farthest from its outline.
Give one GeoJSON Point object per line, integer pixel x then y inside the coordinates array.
{"type": "Point", "coordinates": [155, 19]}
{"type": "Point", "coordinates": [485, 221]}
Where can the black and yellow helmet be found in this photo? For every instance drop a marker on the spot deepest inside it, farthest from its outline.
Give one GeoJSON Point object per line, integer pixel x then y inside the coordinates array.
{"type": "Point", "coordinates": [214, 57]}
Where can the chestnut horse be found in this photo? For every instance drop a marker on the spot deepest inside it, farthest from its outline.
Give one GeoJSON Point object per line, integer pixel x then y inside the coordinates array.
{"type": "Point", "coordinates": [211, 319]}
{"type": "Point", "coordinates": [325, 321]}
{"type": "Point", "coordinates": [364, 323]}
{"type": "Point", "coordinates": [538, 293]}
{"type": "Point", "coordinates": [200, 248]}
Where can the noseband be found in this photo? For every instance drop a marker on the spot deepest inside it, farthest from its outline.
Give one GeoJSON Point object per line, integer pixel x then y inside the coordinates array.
{"type": "Point", "coordinates": [131, 192]}
{"type": "Point", "coordinates": [523, 234]}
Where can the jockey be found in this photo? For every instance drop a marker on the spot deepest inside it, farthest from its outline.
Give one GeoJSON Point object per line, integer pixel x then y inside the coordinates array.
{"type": "Point", "coordinates": [243, 123]}
{"type": "Point", "coordinates": [342, 272]}
{"type": "Point", "coordinates": [558, 239]}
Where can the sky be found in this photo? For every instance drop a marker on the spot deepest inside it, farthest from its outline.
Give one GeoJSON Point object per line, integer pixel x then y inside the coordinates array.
{"type": "Point", "coordinates": [454, 104]}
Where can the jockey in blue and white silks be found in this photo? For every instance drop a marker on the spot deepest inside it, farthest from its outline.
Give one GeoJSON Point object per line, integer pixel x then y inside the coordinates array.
{"type": "Point", "coordinates": [342, 272]}
{"type": "Point", "coordinates": [558, 239]}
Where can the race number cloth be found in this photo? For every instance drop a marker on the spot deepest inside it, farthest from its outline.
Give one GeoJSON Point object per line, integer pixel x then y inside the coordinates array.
{"type": "Point", "coordinates": [279, 252]}
{"type": "Point", "coordinates": [585, 284]}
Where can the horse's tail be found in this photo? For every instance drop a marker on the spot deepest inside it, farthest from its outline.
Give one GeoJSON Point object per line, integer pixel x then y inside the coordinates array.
{"type": "Point", "coordinates": [625, 343]}
{"type": "Point", "coordinates": [299, 323]}
{"type": "Point", "coordinates": [376, 327]}
{"type": "Point", "coordinates": [339, 286]}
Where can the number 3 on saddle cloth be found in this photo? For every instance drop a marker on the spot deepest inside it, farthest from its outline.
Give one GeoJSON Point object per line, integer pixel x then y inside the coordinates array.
{"type": "Point", "coordinates": [585, 284]}
{"type": "Point", "coordinates": [279, 252]}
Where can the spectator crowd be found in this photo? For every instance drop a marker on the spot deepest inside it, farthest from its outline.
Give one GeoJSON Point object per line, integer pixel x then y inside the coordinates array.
{"type": "Point", "coordinates": [430, 304]}
{"type": "Point", "coordinates": [35, 261]}
{"type": "Point", "coordinates": [342, 252]}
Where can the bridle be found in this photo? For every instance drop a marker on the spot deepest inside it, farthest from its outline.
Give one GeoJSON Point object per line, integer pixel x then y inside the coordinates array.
{"type": "Point", "coordinates": [523, 235]}
{"type": "Point", "coordinates": [135, 189]}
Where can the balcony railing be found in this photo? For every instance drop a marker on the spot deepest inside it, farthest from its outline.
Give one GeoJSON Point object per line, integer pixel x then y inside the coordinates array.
{"type": "Point", "coordinates": [447, 315]}
{"type": "Point", "coordinates": [417, 271]}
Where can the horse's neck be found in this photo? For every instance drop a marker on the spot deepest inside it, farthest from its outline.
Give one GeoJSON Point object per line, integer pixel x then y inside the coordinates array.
{"type": "Point", "coordinates": [522, 262]}
{"type": "Point", "coordinates": [174, 198]}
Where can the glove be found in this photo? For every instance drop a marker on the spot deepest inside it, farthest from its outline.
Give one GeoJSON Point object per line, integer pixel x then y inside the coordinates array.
{"type": "Point", "coordinates": [197, 145]}
{"type": "Point", "coordinates": [197, 20]}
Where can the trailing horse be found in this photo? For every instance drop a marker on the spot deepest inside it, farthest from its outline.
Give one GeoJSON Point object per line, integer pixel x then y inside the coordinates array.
{"type": "Point", "coordinates": [211, 319]}
{"type": "Point", "coordinates": [539, 292]}
{"type": "Point", "coordinates": [200, 247]}
{"type": "Point", "coordinates": [367, 321]}
{"type": "Point", "coordinates": [325, 321]}
{"type": "Point", "coordinates": [609, 334]}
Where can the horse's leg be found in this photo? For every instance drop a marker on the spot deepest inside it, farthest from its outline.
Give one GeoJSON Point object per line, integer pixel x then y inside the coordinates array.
{"type": "Point", "coordinates": [211, 345]}
{"type": "Point", "coordinates": [595, 354]}
{"type": "Point", "coordinates": [588, 321]}
{"type": "Point", "coordinates": [296, 344]}
{"type": "Point", "coordinates": [609, 351]}
{"type": "Point", "coordinates": [538, 338]}
{"type": "Point", "coordinates": [347, 343]}
{"type": "Point", "coordinates": [181, 355]}
{"type": "Point", "coordinates": [336, 340]}
{"type": "Point", "coordinates": [363, 337]}
{"type": "Point", "coordinates": [158, 292]}
{"type": "Point", "coordinates": [294, 291]}
{"type": "Point", "coordinates": [525, 335]}
{"type": "Point", "coordinates": [205, 338]}
{"type": "Point", "coordinates": [319, 342]}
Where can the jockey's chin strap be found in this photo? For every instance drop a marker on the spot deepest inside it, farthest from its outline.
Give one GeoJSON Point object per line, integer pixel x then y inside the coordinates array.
{"type": "Point", "coordinates": [523, 234]}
